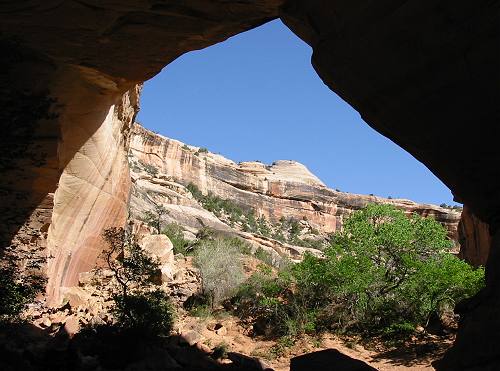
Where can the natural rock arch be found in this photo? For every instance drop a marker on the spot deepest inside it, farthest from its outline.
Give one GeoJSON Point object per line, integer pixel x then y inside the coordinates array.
{"type": "Point", "coordinates": [424, 74]}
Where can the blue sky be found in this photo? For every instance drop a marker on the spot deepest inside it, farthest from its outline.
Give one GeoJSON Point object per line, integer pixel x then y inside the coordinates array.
{"type": "Point", "coordinates": [257, 97]}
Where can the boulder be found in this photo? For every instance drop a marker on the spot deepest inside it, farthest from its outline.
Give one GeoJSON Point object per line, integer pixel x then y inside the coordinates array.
{"type": "Point", "coordinates": [159, 246]}
{"type": "Point", "coordinates": [76, 296]}
{"type": "Point", "coordinates": [191, 337]}
{"type": "Point", "coordinates": [72, 326]}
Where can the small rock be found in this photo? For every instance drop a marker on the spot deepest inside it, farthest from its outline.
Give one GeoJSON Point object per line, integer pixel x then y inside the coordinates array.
{"type": "Point", "coordinates": [203, 347]}
{"type": "Point", "coordinates": [85, 278]}
{"type": "Point", "coordinates": [248, 363]}
{"type": "Point", "coordinates": [35, 314]}
{"type": "Point", "coordinates": [160, 246]}
{"type": "Point", "coordinates": [155, 359]}
{"type": "Point", "coordinates": [167, 273]}
{"type": "Point", "coordinates": [221, 331]}
{"type": "Point", "coordinates": [75, 296]}
{"type": "Point", "coordinates": [46, 322]}
{"type": "Point", "coordinates": [191, 337]}
{"type": "Point", "coordinates": [193, 360]}
{"type": "Point", "coordinates": [72, 326]}
{"type": "Point", "coordinates": [211, 326]}
{"type": "Point", "coordinates": [58, 318]}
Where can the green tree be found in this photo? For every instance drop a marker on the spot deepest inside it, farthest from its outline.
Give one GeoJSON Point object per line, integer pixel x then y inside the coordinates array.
{"type": "Point", "coordinates": [138, 305]}
{"type": "Point", "coordinates": [155, 217]}
{"type": "Point", "coordinates": [175, 233]}
{"type": "Point", "coordinates": [385, 272]}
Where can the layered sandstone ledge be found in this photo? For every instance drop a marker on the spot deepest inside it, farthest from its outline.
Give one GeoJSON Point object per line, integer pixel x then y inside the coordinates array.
{"type": "Point", "coordinates": [284, 189]}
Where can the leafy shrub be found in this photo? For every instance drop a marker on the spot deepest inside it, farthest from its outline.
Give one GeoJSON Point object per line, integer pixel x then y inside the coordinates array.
{"type": "Point", "coordinates": [149, 312]}
{"type": "Point", "coordinates": [312, 243]}
{"type": "Point", "coordinates": [174, 232]}
{"type": "Point", "coordinates": [195, 191]}
{"type": "Point", "coordinates": [385, 273]}
{"type": "Point", "coordinates": [150, 169]}
{"type": "Point", "coordinates": [263, 299]}
{"type": "Point", "coordinates": [242, 246]}
{"type": "Point", "coordinates": [251, 223]}
{"type": "Point", "coordinates": [264, 256]}
{"type": "Point", "coordinates": [154, 218]}
{"type": "Point", "coordinates": [16, 291]}
{"type": "Point", "coordinates": [451, 207]}
{"type": "Point", "coordinates": [137, 305]}
{"type": "Point", "coordinates": [221, 269]}
{"type": "Point", "coordinates": [220, 351]}
{"type": "Point", "coordinates": [203, 150]}
{"type": "Point", "coordinates": [215, 204]}
{"type": "Point", "coordinates": [21, 280]}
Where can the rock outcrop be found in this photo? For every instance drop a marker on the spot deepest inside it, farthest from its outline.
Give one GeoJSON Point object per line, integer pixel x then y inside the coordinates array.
{"type": "Point", "coordinates": [93, 190]}
{"type": "Point", "coordinates": [474, 238]}
{"type": "Point", "coordinates": [161, 168]}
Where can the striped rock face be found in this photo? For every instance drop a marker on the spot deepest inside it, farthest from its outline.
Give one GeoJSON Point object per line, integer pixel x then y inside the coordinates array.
{"type": "Point", "coordinates": [285, 189]}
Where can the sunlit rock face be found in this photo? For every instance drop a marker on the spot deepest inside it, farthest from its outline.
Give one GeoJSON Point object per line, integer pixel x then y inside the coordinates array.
{"type": "Point", "coordinates": [424, 74]}
{"type": "Point", "coordinates": [93, 189]}
{"type": "Point", "coordinates": [284, 189]}
{"type": "Point", "coordinates": [474, 238]}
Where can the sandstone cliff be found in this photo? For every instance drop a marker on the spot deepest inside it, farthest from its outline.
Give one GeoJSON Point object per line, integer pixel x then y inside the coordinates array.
{"type": "Point", "coordinates": [93, 189]}
{"type": "Point", "coordinates": [475, 239]}
{"type": "Point", "coordinates": [161, 168]}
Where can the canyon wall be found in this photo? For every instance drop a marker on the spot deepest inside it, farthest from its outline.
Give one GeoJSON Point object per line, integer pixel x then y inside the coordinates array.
{"type": "Point", "coordinates": [474, 238]}
{"type": "Point", "coordinates": [93, 189]}
{"type": "Point", "coordinates": [284, 189]}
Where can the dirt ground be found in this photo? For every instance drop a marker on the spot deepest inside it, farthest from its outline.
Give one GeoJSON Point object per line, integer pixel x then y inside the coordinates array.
{"type": "Point", "coordinates": [226, 331]}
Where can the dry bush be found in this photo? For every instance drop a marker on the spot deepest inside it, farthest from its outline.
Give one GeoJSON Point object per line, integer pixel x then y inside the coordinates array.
{"type": "Point", "coordinates": [221, 269]}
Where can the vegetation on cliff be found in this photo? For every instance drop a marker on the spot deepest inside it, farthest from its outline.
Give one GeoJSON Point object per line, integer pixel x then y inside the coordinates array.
{"type": "Point", "coordinates": [139, 306]}
{"type": "Point", "coordinates": [286, 230]}
{"type": "Point", "coordinates": [384, 273]}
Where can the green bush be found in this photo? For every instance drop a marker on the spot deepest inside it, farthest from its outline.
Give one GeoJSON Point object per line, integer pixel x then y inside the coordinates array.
{"type": "Point", "coordinates": [384, 273]}
{"type": "Point", "coordinates": [216, 204]}
{"type": "Point", "coordinates": [241, 245]}
{"type": "Point", "coordinates": [155, 217]}
{"type": "Point", "coordinates": [150, 169]}
{"type": "Point", "coordinates": [149, 312]}
{"type": "Point", "coordinates": [251, 223]}
{"type": "Point", "coordinates": [267, 300]}
{"type": "Point", "coordinates": [17, 290]}
{"type": "Point", "coordinates": [264, 256]}
{"type": "Point", "coordinates": [174, 232]}
{"type": "Point", "coordinates": [137, 305]}
{"type": "Point", "coordinates": [221, 269]}
{"type": "Point", "coordinates": [21, 280]}
{"type": "Point", "coordinates": [312, 243]}
{"type": "Point", "coordinates": [195, 191]}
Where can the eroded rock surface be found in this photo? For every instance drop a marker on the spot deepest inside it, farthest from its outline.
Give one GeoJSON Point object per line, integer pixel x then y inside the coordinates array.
{"type": "Point", "coordinates": [474, 238]}
{"type": "Point", "coordinates": [93, 190]}
{"type": "Point", "coordinates": [285, 189]}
